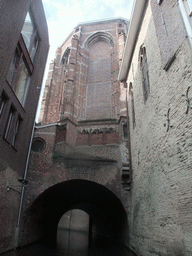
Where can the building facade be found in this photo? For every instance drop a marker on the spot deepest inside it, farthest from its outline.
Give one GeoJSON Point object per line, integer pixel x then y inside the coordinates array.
{"type": "Point", "coordinates": [157, 66]}
{"type": "Point", "coordinates": [23, 53]}
{"type": "Point", "coordinates": [114, 137]}
{"type": "Point", "coordinates": [80, 151]}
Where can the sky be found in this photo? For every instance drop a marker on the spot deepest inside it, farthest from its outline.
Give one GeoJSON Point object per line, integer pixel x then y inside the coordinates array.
{"type": "Point", "coordinates": [63, 15]}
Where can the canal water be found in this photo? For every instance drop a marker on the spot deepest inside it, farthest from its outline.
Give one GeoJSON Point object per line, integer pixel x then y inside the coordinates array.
{"type": "Point", "coordinates": [78, 246]}
{"type": "Point", "coordinates": [73, 240]}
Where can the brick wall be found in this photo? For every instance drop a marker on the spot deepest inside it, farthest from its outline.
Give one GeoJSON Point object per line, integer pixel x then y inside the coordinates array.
{"type": "Point", "coordinates": [82, 96]}
{"type": "Point", "coordinates": [13, 157]}
{"type": "Point", "coordinates": [86, 87]}
{"type": "Point", "coordinates": [160, 202]}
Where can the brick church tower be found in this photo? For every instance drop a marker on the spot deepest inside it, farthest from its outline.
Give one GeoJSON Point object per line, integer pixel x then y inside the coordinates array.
{"type": "Point", "coordinates": [82, 82]}
{"type": "Point", "coordinates": [83, 113]}
{"type": "Point", "coordinates": [83, 133]}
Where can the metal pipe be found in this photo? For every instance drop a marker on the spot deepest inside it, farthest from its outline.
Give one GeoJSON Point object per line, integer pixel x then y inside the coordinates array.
{"type": "Point", "coordinates": [22, 192]}
{"type": "Point", "coordinates": [129, 138]}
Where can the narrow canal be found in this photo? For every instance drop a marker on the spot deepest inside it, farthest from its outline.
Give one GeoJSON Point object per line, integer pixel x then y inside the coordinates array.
{"type": "Point", "coordinates": [78, 246]}
{"type": "Point", "coordinates": [73, 239]}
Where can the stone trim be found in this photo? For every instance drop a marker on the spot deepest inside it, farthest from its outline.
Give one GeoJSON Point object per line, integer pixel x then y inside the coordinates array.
{"type": "Point", "coordinates": [98, 130]}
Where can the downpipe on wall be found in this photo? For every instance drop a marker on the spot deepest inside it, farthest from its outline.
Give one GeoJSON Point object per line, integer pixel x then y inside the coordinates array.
{"type": "Point", "coordinates": [16, 241]}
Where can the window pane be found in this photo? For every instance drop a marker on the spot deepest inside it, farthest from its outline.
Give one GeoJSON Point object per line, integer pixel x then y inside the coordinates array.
{"type": "Point", "coordinates": [28, 31]}
{"type": "Point", "coordinates": [30, 37]}
{"type": "Point", "coordinates": [16, 130]}
{"type": "Point", "coordinates": [9, 123]}
{"type": "Point", "coordinates": [13, 66]}
{"type": "Point", "coordinates": [21, 82]}
{"type": "Point", "coordinates": [34, 47]}
{"type": "Point", "coordinates": [3, 100]}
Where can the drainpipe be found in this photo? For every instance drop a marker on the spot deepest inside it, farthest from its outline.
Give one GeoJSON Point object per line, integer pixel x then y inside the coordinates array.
{"type": "Point", "coordinates": [129, 137]}
{"type": "Point", "coordinates": [22, 192]}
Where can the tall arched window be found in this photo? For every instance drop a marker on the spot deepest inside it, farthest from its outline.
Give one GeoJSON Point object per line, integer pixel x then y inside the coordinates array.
{"type": "Point", "coordinates": [98, 84]}
{"type": "Point", "coordinates": [145, 72]}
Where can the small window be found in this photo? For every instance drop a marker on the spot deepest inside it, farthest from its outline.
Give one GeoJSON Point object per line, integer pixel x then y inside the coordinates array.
{"type": "Point", "coordinates": [21, 67]}
{"type": "Point", "coordinates": [145, 72]}
{"type": "Point", "coordinates": [3, 100]}
{"type": "Point", "coordinates": [21, 81]}
{"type": "Point", "coordinates": [29, 34]}
{"type": "Point", "coordinates": [16, 130]}
{"type": "Point", "coordinates": [8, 129]}
{"type": "Point", "coordinates": [18, 76]}
{"type": "Point", "coordinates": [38, 145]}
{"type": "Point", "coordinates": [125, 130]}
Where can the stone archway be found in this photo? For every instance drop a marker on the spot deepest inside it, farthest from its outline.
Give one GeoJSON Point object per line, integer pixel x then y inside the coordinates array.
{"type": "Point", "coordinates": [104, 207]}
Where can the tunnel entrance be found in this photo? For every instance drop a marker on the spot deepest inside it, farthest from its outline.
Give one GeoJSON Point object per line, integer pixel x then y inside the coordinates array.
{"type": "Point", "coordinates": [103, 206]}
{"type": "Point", "coordinates": [73, 232]}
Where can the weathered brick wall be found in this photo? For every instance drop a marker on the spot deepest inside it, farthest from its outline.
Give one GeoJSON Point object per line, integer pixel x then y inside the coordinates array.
{"type": "Point", "coordinates": [62, 161]}
{"type": "Point", "coordinates": [169, 32]}
{"type": "Point", "coordinates": [86, 87]}
{"type": "Point", "coordinates": [99, 82]}
{"type": "Point", "coordinates": [159, 203]}
{"type": "Point", "coordinates": [97, 134]}
{"type": "Point", "coordinates": [87, 151]}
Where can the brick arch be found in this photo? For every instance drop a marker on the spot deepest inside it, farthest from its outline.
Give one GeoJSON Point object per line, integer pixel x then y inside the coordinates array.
{"type": "Point", "coordinates": [98, 36]}
{"type": "Point", "coordinates": [104, 207]}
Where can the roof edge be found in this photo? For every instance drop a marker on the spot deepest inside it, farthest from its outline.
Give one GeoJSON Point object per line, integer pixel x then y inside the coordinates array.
{"type": "Point", "coordinates": [136, 19]}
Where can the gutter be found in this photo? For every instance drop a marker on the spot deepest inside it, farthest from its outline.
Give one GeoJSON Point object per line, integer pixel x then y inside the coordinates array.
{"type": "Point", "coordinates": [45, 125]}
{"type": "Point", "coordinates": [136, 20]}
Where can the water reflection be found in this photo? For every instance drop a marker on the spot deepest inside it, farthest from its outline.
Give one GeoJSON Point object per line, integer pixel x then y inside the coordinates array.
{"type": "Point", "coordinates": [73, 240]}
{"type": "Point", "coordinates": [100, 246]}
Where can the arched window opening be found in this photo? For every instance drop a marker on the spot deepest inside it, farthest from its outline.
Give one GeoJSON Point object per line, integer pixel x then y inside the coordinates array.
{"type": "Point", "coordinates": [99, 99]}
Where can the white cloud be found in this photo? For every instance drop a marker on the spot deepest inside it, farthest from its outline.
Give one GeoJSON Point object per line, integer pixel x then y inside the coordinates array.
{"type": "Point", "coordinates": [46, 1]}
{"type": "Point", "coordinates": [125, 13]}
{"type": "Point", "coordinates": [66, 18]}
{"type": "Point", "coordinates": [63, 16]}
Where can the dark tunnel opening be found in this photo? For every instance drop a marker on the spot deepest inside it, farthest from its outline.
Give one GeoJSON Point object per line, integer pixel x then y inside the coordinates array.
{"type": "Point", "coordinates": [102, 205]}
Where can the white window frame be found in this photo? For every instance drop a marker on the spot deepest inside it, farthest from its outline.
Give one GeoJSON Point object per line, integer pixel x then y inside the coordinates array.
{"type": "Point", "coordinates": [186, 14]}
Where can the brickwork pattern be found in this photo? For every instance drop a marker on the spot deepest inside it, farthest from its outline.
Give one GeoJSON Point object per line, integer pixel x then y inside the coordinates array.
{"type": "Point", "coordinates": [160, 202]}
{"type": "Point", "coordinates": [13, 158]}
{"type": "Point", "coordinates": [93, 58]}
{"type": "Point", "coordinates": [81, 123]}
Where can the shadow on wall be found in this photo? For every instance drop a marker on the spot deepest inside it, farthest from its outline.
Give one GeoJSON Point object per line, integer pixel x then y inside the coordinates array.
{"type": "Point", "coordinates": [104, 207]}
